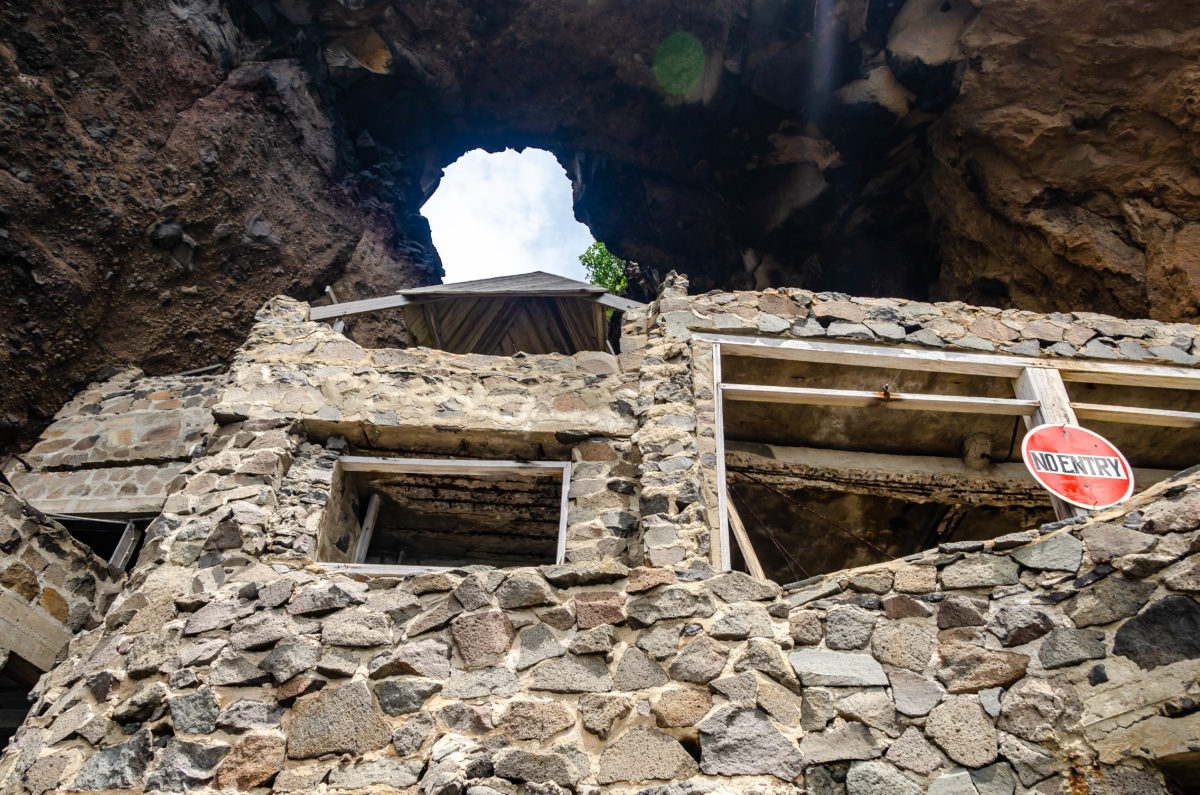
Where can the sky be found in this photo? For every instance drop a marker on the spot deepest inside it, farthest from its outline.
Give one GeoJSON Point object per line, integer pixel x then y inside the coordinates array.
{"type": "Point", "coordinates": [506, 213]}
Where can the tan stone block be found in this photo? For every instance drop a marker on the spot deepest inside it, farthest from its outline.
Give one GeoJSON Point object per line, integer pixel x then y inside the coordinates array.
{"type": "Point", "coordinates": [20, 579]}
{"type": "Point", "coordinates": [916, 579]}
{"type": "Point", "coordinates": [54, 604]}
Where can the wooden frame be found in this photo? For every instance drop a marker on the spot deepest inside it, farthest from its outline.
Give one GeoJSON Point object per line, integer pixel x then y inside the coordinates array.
{"type": "Point", "coordinates": [433, 466]}
{"type": "Point", "coordinates": [131, 534]}
{"type": "Point", "coordinates": [338, 311]}
{"type": "Point", "coordinates": [893, 400]}
{"type": "Point", "coordinates": [1039, 386]}
{"type": "Point", "coordinates": [991, 364]}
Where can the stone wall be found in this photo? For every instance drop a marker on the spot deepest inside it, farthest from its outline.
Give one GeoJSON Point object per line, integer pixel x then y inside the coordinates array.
{"type": "Point", "coordinates": [677, 413]}
{"type": "Point", "coordinates": [1017, 666]}
{"type": "Point", "coordinates": [51, 586]}
{"type": "Point", "coordinates": [232, 660]}
{"type": "Point", "coordinates": [420, 399]}
{"type": "Point", "coordinates": [797, 313]}
{"type": "Point", "coordinates": [116, 446]}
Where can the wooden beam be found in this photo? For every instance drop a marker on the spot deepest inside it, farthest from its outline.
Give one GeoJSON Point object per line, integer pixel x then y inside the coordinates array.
{"type": "Point", "coordinates": [125, 545]}
{"type": "Point", "coordinates": [395, 301]}
{"type": "Point", "coordinates": [1047, 387]}
{"type": "Point", "coordinates": [618, 303]}
{"type": "Point", "coordinates": [877, 356]}
{"type": "Point", "coordinates": [965, 404]}
{"type": "Point", "coordinates": [564, 506]}
{"type": "Point", "coordinates": [913, 478]}
{"type": "Point", "coordinates": [724, 562]}
{"type": "Point", "coordinates": [743, 541]}
{"type": "Point", "coordinates": [339, 325]}
{"type": "Point", "coordinates": [943, 361]}
{"type": "Point", "coordinates": [458, 466]}
{"type": "Point", "coordinates": [1136, 415]}
{"type": "Point", "coordinates": [357, 307]}
{"type": "Point", "coordinates": [431, 321]}
{"type": "Point", "coordinates": [367, 531]}
{"type": "Point", "coordinates": [379, 569]}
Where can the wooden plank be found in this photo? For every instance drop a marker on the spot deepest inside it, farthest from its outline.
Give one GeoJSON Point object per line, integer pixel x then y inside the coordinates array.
{"type": "Point", "coordinates": [532, 283]}
{"type": "Point", "coordinates": [744, 545]}
{"type": "Point", "coordinates": [724, 561]}
{"type": "Point", "coordinates": [125, 545]}
{"type": "Point", "coordinates": [367, 531]}
{"type": "Point", "coordinates": [942, 361]}
{"type": "Point", "coordinates": [339, 325]}
{"type": "Point", "coordinates": [460, 466]}
{"type": "Point", "coordinates": [491, 308]}
{"type": "Point", "coordinates": [601, 323]}
{"type": "Point", "coordinates": [357, 307]}
{"type": "Point", "coordinates": [553, 309]}
{"type": "Point", "coordinates": [379, 569]}
{"type": "Point", "coordinates": [564, 506]}
{"type": "Point", "coordinates": [1047, 388]}
{"type": "Point", "coordinates": [432, 321]}
{"type": "Point", "coordinates": [1155, 376]}
{"type": "Point", "coordinates": [877, 356]}
{"type": "Point", "coordinates": [913, 478]}
{"type": "Point", "coordinates": [619, 303]}
{"type": "Point", "coordinates": [965, 404]}
{"type": "Point", "coordinates": [1136, 415]}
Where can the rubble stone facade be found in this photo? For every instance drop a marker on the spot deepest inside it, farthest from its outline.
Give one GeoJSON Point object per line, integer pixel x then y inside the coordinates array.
{"type": "Point", "coordinates": [1051, 659]}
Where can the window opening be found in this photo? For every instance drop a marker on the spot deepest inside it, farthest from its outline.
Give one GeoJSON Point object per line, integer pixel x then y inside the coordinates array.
{"type": "Point", "coordinates": [115, 540]}
{"type": "Point", "coordinates": [390, 515]}
{"type": "Point", "coordinates": [17, 679]}
{"type": "Point", "coordinates": [835, 455]}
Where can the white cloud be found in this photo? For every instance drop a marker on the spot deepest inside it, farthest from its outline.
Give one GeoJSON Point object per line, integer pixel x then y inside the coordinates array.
{"type": "Point", "coordinates": [505, 213]}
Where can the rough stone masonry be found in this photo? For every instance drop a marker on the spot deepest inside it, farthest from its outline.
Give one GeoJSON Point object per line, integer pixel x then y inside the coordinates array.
{"type": "Point", "coordinates": [1050, 659]}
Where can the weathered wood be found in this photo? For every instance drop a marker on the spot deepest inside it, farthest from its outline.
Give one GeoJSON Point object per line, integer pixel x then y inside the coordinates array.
{"type": "Point", "coordinates": [448, 466]}
{"type": "Point", "coordinates": [723, 501]}
{"type": "Point", "coordinates": [619, 303]}
{"type": "Point", "coordinates": [564, 505]}
{"type": "Point", "coordinates": [367, 532]}
{"type": "Point", "coordinates": [126, 544]}
{"type": "Point", "coordinates": [1047, 387]}
{"type": "Point", "coordinates": [1137, 415]}
{"type": "Point", "coordinates": [913, 478]}
{"type": "Point", "coordinates": [857, 398]}
{"type": "Point", "coordinates": [743, 540]}
{"type": "Point", "coordinates": [357, 307]}
{"type": "Point", "coordinates": [379, 569]}
{"type": "Point", "coordinates": [943, 361]}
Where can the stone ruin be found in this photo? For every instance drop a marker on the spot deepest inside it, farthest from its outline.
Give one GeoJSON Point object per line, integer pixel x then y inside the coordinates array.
{"type": "Point", "coordinates": [274, 632]}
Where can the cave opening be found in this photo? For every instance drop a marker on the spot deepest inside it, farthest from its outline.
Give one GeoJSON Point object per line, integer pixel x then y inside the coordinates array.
{"type": "Point", "coordinates": [499, 213]}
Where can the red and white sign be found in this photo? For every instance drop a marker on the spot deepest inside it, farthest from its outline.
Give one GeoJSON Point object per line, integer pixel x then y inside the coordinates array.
{"type": "Point", "coordinates": [1077, 465]}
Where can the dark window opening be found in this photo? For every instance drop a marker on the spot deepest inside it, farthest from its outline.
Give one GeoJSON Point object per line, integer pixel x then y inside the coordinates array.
{"type": "Point", "coordinates": [840, 455]}
{"type": "Point", "coordinates": [800, 532]}
{"type": "Point", "coordinates": [1181, 773]}
{"type": "Point", "coordinates": [17, 679]}
{"type": "Point", "coordinates": [440, 513]}
{"type": "Point", "coordinates": [115, 540]}
{"type": "Point", "coordinates": [452, 521]}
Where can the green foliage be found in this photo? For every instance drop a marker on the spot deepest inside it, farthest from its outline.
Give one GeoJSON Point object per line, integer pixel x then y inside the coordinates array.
{"type": "Point", "coordinates": [604, 269]}
{"type": "Point", "coordinates": [679, 63]}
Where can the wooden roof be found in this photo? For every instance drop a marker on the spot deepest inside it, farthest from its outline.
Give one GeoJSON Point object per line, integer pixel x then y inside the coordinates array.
{"type": "Point", "coordinates": [533, 283]}
{"type": "Point", "coordinates": [534, 312]}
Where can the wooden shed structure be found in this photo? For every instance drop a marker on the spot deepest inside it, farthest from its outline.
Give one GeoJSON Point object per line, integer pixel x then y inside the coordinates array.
{"type": "Point", "coordinates": [534, 313]}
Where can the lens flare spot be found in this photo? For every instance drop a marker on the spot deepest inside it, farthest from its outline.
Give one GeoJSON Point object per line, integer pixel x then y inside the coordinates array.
{"type": "Point", "coordinates": [679, 63]}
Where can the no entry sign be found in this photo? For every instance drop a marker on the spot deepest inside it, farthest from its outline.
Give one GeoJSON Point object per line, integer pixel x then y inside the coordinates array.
{"type": "Point", "coordinates": [1077, 465]}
